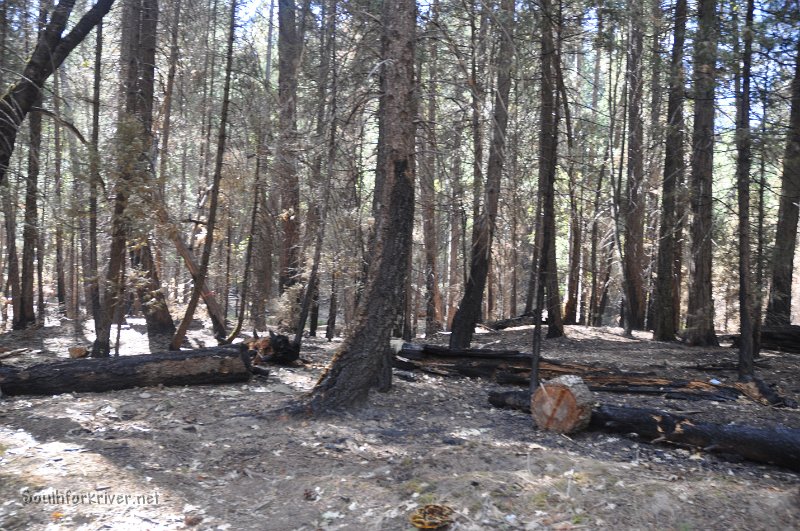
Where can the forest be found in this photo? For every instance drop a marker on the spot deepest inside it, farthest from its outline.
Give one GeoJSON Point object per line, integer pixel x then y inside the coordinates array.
{"type": "Point", "coordinates": [332, 183]}
{"type": "Point", "coordinates": [631, 163]}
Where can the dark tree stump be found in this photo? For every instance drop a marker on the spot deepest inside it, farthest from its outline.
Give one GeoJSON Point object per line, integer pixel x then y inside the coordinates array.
{"type": "Point", "coordinates": [208, 366]}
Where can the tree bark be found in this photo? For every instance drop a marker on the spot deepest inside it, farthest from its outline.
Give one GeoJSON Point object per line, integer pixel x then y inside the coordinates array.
{"type": "Point", "coordinates": [548, 152]}
{"type": "Point", "coordinates": [195, 367]}
{"type": "Point", "coordinates": [700, 320]}
{"type": "Point", "coordinates": [743, 166]}
{"type": "Point", "coordinates": [290, 46]}
{"type": "Point", "coordinates": [363, 361]}
{"type": "Point", "coordinates": [51, 50]}
{"type": "Point", "coordinates": [30, 229]}
{"type": "Point", "coordinates": [779, 446]}
{"type": "Point", "coordinates": [200, 278]}
{"type": "Point", "coordinates": [674, 167]}
{"type": "Point", "coordinates": [469, 310]}
{"type": "Point", "coordinates": [428, 175]}
{"type": "Point", "coordinates": [779, 307]}
{"type": "Point", "coordinates": [634, 202]}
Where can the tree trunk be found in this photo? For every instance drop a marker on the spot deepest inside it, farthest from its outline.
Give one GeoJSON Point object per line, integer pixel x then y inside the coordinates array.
{"type": "Point", "coordinates": [469, 310]}
{"type": "Point", "coordinates": [61, 282]}
{"type": "Point", "coordinates": [92, 281]}
{"type": "Point", "coordinates": [666, 285]}
{"type": "Point", "coordinates": [634, 202]}
{"type": "Point", "coordinates": [30, 229]}
{"type": "Point", "coordinates": [779, 307]}
{"type": "Point", "coordinates": [195, 367]}
{"type": "Point", "coordinates": [290, 47]}
{"type": "Point", "coordinates": [156, 312]}
{"type": "Point", "coordinates": [140, 18]}
{"type": "Point", "coordinates": [779, 446]}
{"type": "Point", "coordinates": [51, 50]}
{"type": "Point", "coordinates": [363, 359]}
{"type": "Point", "coordinates": [743, 165]}
{"type": "Point", "coordinates": [433, 298]}
{"type": "Point", "coordinates": [200, 278]}
{"type": "Point", "coordinates": [548, 153]}
{"type": "Point", "coordinates": [700, 320]}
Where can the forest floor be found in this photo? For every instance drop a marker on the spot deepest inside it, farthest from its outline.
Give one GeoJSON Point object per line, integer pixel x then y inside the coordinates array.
{"type": "Point", "coordinates": [211, 457]}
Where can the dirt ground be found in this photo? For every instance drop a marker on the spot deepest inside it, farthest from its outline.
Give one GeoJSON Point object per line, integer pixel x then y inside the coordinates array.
{"type": "Point", "coordinates": [212, 457]}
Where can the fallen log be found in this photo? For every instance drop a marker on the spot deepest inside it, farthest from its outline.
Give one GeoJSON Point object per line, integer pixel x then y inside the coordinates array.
{"type": "Point", "coordinates": [511, 367]}
{"type": "Point", "coordinates": [779, 338]}
{"type": "Point", "coordinates": [520, 320]}
{"type": "Point", "coordinates": [195, 367]}
{"type": "Point", "coordinates": [778, 446]}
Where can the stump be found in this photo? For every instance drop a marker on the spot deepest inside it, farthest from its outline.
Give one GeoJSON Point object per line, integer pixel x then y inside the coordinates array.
{"type": "Point", "coordinates": [563, 405]}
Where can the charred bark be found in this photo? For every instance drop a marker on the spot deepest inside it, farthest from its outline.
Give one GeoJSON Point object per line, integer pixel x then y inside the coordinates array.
{"type": "Point", "coordinates": [196, 367]}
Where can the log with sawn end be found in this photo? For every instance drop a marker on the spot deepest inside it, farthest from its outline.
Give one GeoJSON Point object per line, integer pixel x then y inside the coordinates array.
{"type": "Point", "coordinates": [219, 365]}
{"type": "Point", "coordinates": [779, 445]}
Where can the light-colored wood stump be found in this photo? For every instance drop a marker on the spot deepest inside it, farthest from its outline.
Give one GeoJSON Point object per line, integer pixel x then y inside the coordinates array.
{"type": "Point", "coordinates": [563, 404]}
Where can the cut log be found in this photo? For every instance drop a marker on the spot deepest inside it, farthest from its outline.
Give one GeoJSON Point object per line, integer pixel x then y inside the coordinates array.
{"type": "Point", "coordinates": [562, 405]}
{"type": "Point", "coordinates": [195, 367]}
{"type": "Point", "coordinates": [778, 446]}
{"type": "Point", "coordinates": [511, 367]}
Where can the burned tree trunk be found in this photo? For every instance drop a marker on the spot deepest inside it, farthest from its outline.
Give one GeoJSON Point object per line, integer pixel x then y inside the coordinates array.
{"type": "Point", "coordinates": [778, 446]}
{"type": "Point", "coordinates": [197, 367]}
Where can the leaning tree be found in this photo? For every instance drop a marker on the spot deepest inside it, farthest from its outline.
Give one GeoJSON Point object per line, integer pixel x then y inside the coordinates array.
{"type": "Point", "coordinates": [362, 362]}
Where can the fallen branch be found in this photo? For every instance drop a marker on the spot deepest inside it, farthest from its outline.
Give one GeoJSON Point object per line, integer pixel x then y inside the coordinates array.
{"type": "Point", "coordinates": [195, 367]}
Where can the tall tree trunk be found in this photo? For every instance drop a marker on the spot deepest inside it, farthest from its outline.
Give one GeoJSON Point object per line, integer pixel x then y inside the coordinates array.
{"type": "Point", "coordinates": [10, 215]}
{"type": "Point", "coordinates": [264, 235]}
{"type": "Point", "coordinates": [363, 359]}
{"type": "Point", "coordinates": [469, 310]}
{"type": "Point", "coordinates": [674, 167]}
{"type": "Point", "coordinates": [433, 298]}
{"type": "Point", "coordinates": [593, 269]}
{"type": "Point", "coordinates": [92, 281]}
{"type": "Point", "coordinates": [700, 320]}
{"type": "Point", "coordinates": [548, 153]}
{"type": "Point", "coordinates": [30, 229]}
{"type": "Point", "coordinates": [61, 283]}
{"type": "Point", "coordinates": [634, 202]}
{"type": "Point", "coordinates": [200, 278]}
{"type": "Point", "coordinates": [290, 46]}
{"type": "Point", "coordinates": [139, 23]}
{"type": "Point", "coordinates": [743, 165]}
{"type": "Point", "coordinates": [779, 307]}
{"type": "Point", "coordinates": [156, 311]}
